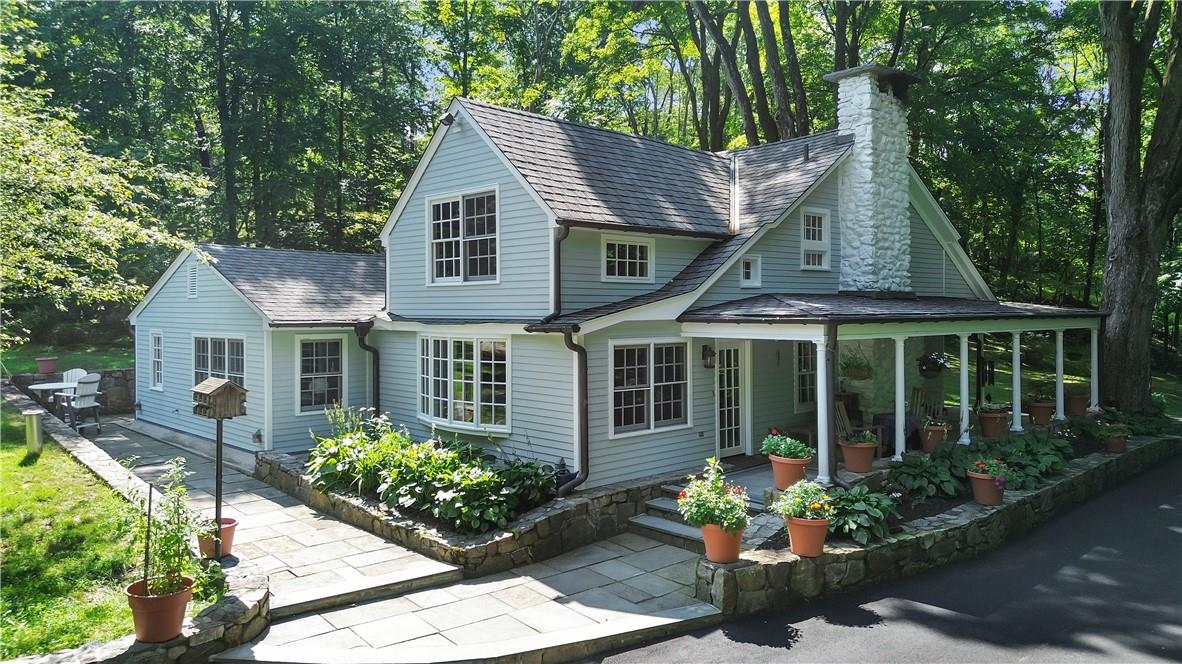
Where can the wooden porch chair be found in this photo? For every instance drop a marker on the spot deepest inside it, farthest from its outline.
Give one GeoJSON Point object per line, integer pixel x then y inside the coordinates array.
{"type": "Point", "coordinates": [83, 400]}
{"type": "Point", "coordinates": [920, 407]}
{"type": "Point", "coordinates": [841, 422]}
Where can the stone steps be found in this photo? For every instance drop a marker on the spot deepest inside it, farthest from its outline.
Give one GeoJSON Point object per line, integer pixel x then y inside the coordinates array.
{"type": "Point", "coordinates": [420, 575]}
{"type": "Point", "coordinates": [667, 531]}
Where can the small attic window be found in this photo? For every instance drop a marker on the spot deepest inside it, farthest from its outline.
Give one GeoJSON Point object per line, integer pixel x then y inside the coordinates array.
{"type": "Point", "coordinates": [192, 281]}
{"type": "Point", "coordinates": [814, 239]}
{"type": "Point", "coordinates": [750, 272]}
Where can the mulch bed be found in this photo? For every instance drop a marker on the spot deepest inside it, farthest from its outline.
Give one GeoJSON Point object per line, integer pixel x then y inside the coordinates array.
{"type": "Point", "coordinates": [930, 507]}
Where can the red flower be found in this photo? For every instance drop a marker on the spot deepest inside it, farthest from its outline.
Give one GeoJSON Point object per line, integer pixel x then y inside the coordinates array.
{"type": "Point", "coordinates": [681, 496]}
{"type": "Point", "coordinates": [775, 431]}
{"type": "Point", "coordinates": [736, 489]}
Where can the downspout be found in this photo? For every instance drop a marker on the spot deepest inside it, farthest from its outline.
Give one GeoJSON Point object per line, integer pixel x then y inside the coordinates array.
{"type": "Point", "coordinates": [363, 329]}
{"type": "Point", "coordinates": [556, 278]}
{"type": "Point", "coordinates": [584, 451]}
{"type": "Point", "coordinates": [831, 387]}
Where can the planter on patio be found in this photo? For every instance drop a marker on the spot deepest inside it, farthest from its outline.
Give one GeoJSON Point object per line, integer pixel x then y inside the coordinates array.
{"type": "Point", "coordinates": [46, 365]}
{"type": "Point", "coordinates": [993, 423]}
{"type": "Point", "coordinates": [806, 509]}
{"type": "Point", "coordinates": [721, 546]}
{"type": "Point", "coordinates": [225, 532]}
{"type": "Point", "coordinates": [934, 431]}
{"type": "Point", "coordinates": [1076, 403]}
{"type": "Point", "coordinates": [1116, 444]}
{"type": "Point", "coordinates": [719, 509]}
{"type": "Point", "coordinates": [158, 618]}
{"type": "Point", "coordinates": [1041, 412]}
{"type": "Point", "coordinates": [858, 456]}
{"type": "Point", "coordinates": [788, 456]}
{"type": "Point", "coordinates": [987, 477]}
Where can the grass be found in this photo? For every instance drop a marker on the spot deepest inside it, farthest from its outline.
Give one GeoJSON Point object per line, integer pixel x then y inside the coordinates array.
{"type": "Point", "coordinates": [65, 543]}
{"type": "Point", "coordinates": [91, 357]}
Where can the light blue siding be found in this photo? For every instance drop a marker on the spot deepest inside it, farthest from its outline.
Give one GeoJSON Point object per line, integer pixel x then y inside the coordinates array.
{"type": "Point", "coordinates": [217, 311]}
{"type": "Point", "coordinates": [582, 272]}
{"type": "Point", "coordinates": [541, 393]}
{"type": "Point", "coordinates": [772, 399]}
{"type": "Point", "coordinates": [779, 251]}
{"type": "Point", "coordinates": [291, 431]}
{"type": "Point", "coordinates": [932, 272]}
{"type": "Point", "coordinates": [463, 162]}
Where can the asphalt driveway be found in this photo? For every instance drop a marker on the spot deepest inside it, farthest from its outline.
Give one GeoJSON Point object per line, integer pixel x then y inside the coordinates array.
{"type": "Point", "coordinates": [1102, 582]}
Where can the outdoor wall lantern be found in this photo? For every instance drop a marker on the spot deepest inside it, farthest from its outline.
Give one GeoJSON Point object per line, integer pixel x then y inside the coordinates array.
{"type": "Point", "coordinates": [708, 357]}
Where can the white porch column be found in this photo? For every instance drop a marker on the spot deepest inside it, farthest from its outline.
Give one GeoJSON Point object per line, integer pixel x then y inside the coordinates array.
{"type": "Point", "coordinates": [824, 408]}
{"type": "Point", "coordinates": [1094, 378]}
{"type": "Point", "coordinates": [900, 403]}
{"type": "Point", "coordinates": [1059, 415]}
{"type": "Point", "coordinates": [1016, 361]}
{"type": "Point", "coordinates": [964, 390]}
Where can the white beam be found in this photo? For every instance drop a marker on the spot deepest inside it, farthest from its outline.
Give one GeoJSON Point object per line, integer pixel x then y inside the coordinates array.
{"type": "Point", "coordinates": [1059, 415]}
{"type": "Point", "coordinates": [761, 331]}
{"type": "Point", "coordinates": [936, 327]}
{"type": "Point", "coordinates": [1016, 401]}
{"type": "Point", "coordinates": [900, 404]}
{"type": "Point", "coordinates": [1094, 378]}
{"type": "Point", "coordinates": [964, 390]}
{"type": "Point", "coordinates": [824, 408]}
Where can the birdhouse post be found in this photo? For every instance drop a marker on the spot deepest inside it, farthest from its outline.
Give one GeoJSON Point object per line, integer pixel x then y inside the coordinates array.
{"type": "Point", "coordinates": [218, 399]}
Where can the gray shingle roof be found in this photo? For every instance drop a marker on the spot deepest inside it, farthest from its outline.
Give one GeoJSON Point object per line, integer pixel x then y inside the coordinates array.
{"type": "Point", "coordinates": [294, 287]}
{"type": "Point", "coordinates": [797, 308]}
{"type": "Point", "coordinates": [602, 177]}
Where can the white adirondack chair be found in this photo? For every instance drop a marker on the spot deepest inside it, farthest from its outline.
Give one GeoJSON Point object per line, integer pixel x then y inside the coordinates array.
{"type": "Point", "coordinates": [73, 375]}
{"type": "Point", "coordinates": [83, 400]}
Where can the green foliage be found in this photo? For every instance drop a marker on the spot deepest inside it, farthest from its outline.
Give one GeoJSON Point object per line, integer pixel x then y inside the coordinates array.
{"type": "Point", "coordinates": [866, 437]}
{"type": "Point", "coordinates": [804, 500]}
{"type": "Point", "coordinates": [354, 456]}
{"type": "Point", "coordinates": [782, 445]}
{"type": "Point", "coordinates": [923, 477]}
{"type": "Point", "coordinates": [710, 500]}
{"type": "Point", "coordinates": [1030, 457]}
{"type": "Point", "coordinates": [996, 469]}
{"type": "Point", "coordinates": [952, 457]}
{"type": "Point", "coordinates": [861, 514]}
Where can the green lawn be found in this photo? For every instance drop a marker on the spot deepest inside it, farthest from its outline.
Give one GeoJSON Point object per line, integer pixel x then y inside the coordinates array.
{"type": "Point", "coordinates": [90, 357]}
{"type": "Point", "coordinates": [65, 547]}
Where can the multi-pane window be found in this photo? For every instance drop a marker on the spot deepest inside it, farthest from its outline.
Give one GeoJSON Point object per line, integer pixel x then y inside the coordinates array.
{"type": "Point", "coordinates": [627, 261]}
{"type": "Point", "coordinates": [219, 357]}
{"type": "Point", "coordinates": [806, 374]}
{"type": "Point", "coordinates": [814, 240]}
{"type": "Point", "coordinates": [650, 386]}
{"type": "Point", "coordinates": [321, 374]}
{"type": "Point", "coordinates": [750, 272]}
{"type": "Point", "coordinates": [464, 238]}
{"type": "Point", "coordinates": [464, 381]}
{"type": "Point", "coordinates": [157, 350]}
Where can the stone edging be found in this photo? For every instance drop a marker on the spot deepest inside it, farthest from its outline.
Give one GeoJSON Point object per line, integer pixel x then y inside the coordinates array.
{"type": "Point", "coordinates": [763, 579]}
{"type": "Point", "coordinates": [242, 613]}
{"type": "Point", "coordinates": [543, 532]}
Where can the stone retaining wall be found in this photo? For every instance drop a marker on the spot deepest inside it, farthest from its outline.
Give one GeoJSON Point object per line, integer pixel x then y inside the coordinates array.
{"type": "Point", "coordinates": [544, 532]}
{"type": "Point", "coordinates": [763, 579]}
{"type": "Point", "coordinates": [117, 387]}
{"type": "Point", "coordinates": [242, 613]}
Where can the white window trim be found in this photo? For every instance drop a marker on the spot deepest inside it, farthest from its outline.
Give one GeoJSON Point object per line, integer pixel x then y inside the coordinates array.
{"type": "Point", "coordinates": [299, 339]}
{"type": "Point", "coordinates": [689, 384]}
{"type": "Point", "coordinates": [826, 243]}
{"type": "Point", "coordinates": [624, 239]}
{"type": "Point", "coordinates": [429, 274]}
{"type": "Point", "coordinates": [228, 336]}
{"type": "Point", "coordinates": [756, 279]}
{"type": "Point", "coordinates": [797, 405]}
{"type": "Point", "coordinates": [191, 289]}
{"type": "Point", "coordinates": [153, 335]}
{"type": "Point", "coordinates": [463, 427]}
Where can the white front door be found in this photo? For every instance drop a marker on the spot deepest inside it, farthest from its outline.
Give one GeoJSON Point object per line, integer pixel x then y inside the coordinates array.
{"type": "Point", "coordinates": [729, 399]}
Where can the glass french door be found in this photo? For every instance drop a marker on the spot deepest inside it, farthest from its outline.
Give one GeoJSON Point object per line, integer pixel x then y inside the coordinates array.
{"type": "Point", "coordinates": [730, 400]}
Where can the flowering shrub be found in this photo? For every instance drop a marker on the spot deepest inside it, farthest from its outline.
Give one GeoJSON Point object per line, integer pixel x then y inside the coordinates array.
{"type": "Point", "coordinates": [780, 445]}
{"type": "Point", "coordinates": [993, 468]}
{"type": "Point", "coordinates": [804, 500]}
{"type": "Point", "coordinates": [709, 499]}
{"type": "Point", "coordinates": [933, 362]}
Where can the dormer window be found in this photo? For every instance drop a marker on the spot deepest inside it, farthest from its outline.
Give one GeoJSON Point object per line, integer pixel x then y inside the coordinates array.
{"type": "Point", "coordinates": [814, 239]}
{"type": "Point", "coordinates": [627, 259]}
{"type": "Point", "coordinates": [750, 272]}
{"type": "Point", "coordinates": [463, 240]}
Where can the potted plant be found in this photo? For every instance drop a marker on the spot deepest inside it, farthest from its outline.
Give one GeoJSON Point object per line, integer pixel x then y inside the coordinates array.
{"type": "Point", "coordinates": [806, 509]}
{"type": "Point", "coordinates": [858, 451]}
{"type": "Point", "coordinates": [789, 457]}
{"type": "Point", "coordinates": [1042, 405]}
{"type": "Point", "coordinates": [854, 364]}
{"type": "Point", "coordinates": [935, 430]}
{"type": "Point", "coordinates": [718, 508]}
{"type": "Point", "coordinates": [992, 417]}
{"type": "Point", "coordinates": [159, 598]}
{"type": "Point", "coordinates": [209, 532]}
{"type": "Point", "coordinates": [932, 364]}
{"type": "Point", "coordinates": [1076, 400]}
{"type": "Point", "coordinates": [1114, 436]}
{"type": "Point", "coordinates": [46, 365]}
{"type": "Point", "coordinates": [988, 478]}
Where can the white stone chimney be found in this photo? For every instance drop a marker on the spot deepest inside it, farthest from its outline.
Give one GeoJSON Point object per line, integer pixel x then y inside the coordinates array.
{"type": "Point", "coordinates": [873, 182]}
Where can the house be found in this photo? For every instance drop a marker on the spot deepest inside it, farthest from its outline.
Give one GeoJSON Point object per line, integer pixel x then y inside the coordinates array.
{"type": "Point", "coordinates": [620, 305]}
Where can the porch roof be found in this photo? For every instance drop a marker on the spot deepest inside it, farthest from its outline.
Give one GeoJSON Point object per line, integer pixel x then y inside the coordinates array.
{"type": "Point", "coordinates": [853, 308]}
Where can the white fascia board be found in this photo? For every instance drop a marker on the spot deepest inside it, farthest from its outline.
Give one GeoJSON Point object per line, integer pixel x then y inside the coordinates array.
{"type": "Point", "coordinates": [941, 226]}
{"type": "Point", "coordinates": [761, 331]}
{"type": "Point", "coordinates": [935, 327]}
{"type": "Point", "coordinates": [413, 181]}
{"type": "Point", "coordinates": [458, 328]}
{"type": "Point", "coordinates": [172, 268]}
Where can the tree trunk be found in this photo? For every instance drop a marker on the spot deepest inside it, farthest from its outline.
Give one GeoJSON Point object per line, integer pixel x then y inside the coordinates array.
{"type": "Point", "coordinates": [785, 123]}
{"type": "Point", "coordinates": [803, 121]}
{"type": "Point", "coordinates": [731, 68]}
{"type": "Point", "coordinates": [1097, 211]}
{"type": "Point", "coordinates": [771, 130]}
{"type": "Point", "coordinates": [219, 23]}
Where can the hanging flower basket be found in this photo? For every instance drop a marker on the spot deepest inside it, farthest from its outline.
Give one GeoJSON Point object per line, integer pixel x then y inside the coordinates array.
{"type": "Point", "coordinates": [932, 364]}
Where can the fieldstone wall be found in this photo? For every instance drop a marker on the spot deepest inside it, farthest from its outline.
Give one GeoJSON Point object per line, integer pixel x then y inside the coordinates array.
{"type": "Point", "coordinates": [544, 532]}
{"type": "Point", "coordinates": [762, 579]}
{"type": "Point", "coordinates": [117, 387]}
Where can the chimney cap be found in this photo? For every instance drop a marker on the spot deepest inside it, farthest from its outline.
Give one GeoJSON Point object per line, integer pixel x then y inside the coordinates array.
{"type": "Point", "coordinates": [883, 73]}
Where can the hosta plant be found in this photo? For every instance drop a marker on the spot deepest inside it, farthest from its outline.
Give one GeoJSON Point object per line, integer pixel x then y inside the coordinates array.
{"type": "Point", "coordinates": [710, 500]}
{"type": "Point", "coordinates": [861, 514]}
{"type": "Point", "coordinates": [924, 477]}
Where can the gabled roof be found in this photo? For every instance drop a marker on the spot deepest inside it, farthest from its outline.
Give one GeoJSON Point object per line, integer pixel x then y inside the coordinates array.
{"type": "Point", "coordinates": [293, 287]}
{"type": "Point", "coordinates": [596, 177]}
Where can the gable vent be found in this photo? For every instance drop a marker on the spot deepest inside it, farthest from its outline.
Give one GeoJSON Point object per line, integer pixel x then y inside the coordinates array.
{"type": "Point", "coordinates": [192, 281]}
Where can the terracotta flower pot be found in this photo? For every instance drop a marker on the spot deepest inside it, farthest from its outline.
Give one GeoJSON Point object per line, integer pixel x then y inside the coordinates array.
{"type": "Point", "coordinates": [933, 436]}
{"type": "Point", "coordinates": [158, 618]}
{"type": "Point", "coordinates": [226, 532]}
{"type": "Point", "coordinates": [985, 491]}
{"type": "Point", "coordinates": [1076, 404]}
{"type": "Point", "coordinates": [1116, 444]}
{"type": "Point", "coordinates": [1041, 412]}
{"type": "Point", "coordinates": [859, 458]}
{"type": "Point", "coordinates": [806, 537]}
{"type": "Point", "coordinates": [786, 472]}
{"type": "Point", "coordinates": [721, 546]}
{"type": "Point", "coordinates": [47, 365]}
{"type": "Point", "coordinates": [993, 425]}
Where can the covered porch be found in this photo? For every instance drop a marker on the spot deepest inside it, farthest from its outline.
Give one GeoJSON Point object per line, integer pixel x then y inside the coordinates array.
{"type": "Point", "coordinates": [776, 361]}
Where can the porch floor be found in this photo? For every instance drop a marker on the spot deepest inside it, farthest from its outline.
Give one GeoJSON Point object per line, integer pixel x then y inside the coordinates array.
{"type": "Point", "coordinates": [754, 473]}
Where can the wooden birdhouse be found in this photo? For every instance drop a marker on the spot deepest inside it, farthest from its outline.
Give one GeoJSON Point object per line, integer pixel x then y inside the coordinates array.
{"type": "Point", "coordinates": [219, 399]}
